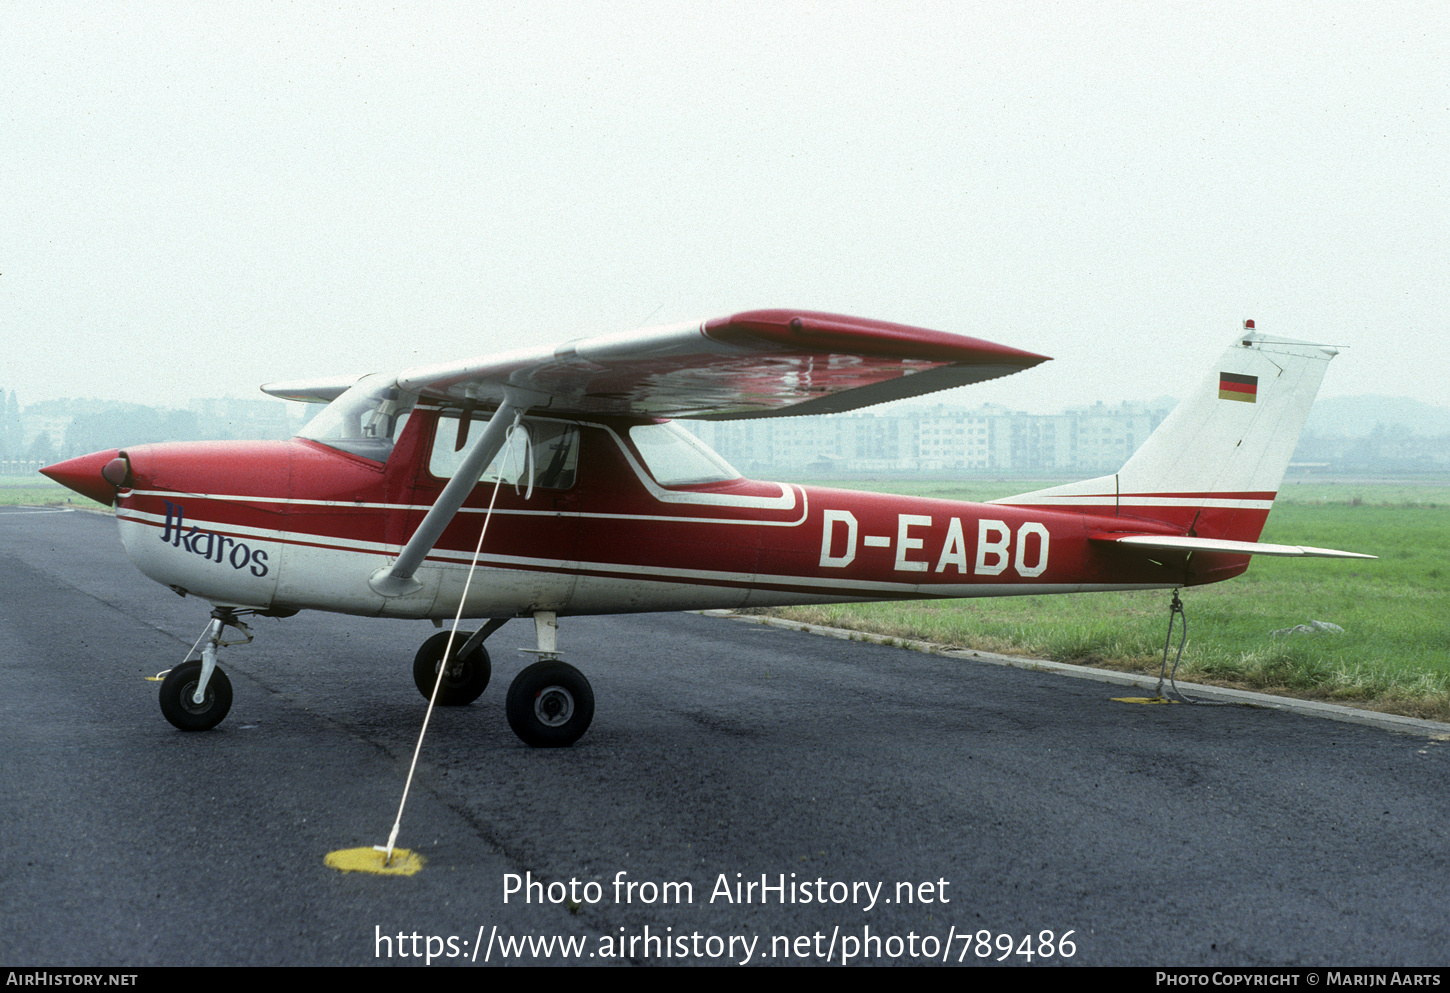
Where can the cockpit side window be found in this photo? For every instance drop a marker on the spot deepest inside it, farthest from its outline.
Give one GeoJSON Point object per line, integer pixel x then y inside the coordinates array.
{"type": "Point", "coordinates": [366, 420]}
{"type": "Point", "coordinates": [545, 452]}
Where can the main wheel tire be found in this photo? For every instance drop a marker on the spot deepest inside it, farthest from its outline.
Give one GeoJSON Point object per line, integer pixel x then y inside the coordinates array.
{"type": "Point", "coordinates": [550, 704]}
{"type": "Point", "coordinates": [463, 681]}
{"type": "Point", "coordinates": [178, 688]}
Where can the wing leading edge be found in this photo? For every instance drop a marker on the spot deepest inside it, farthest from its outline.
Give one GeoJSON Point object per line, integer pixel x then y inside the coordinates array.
{"type": "Point", "coordinates": [764, 363]}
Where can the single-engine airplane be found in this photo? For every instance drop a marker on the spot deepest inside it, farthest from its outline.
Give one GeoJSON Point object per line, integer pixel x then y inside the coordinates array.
{"type": "Point", "coordinates": [599, 503]}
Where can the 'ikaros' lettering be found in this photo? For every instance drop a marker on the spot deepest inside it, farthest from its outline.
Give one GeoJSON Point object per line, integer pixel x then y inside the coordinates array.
{"type": "Point", "coordinates": [998, 548]}
{"type": "Point", "coordinates": [209, 545]}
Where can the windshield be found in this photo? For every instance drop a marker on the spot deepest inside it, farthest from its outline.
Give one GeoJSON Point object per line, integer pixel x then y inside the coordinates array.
{"type": "Point", "coordinates": [366, 420]}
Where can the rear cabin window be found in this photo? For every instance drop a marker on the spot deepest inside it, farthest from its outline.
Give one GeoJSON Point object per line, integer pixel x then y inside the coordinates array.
{"type": "Point", "coordinates": [544, 453]}
{"type": "Point", "coordinates": [674, 457]}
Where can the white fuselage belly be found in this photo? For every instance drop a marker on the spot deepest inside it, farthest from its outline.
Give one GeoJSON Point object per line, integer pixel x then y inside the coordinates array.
{"type": "Point", "coordinates": [300, 571]}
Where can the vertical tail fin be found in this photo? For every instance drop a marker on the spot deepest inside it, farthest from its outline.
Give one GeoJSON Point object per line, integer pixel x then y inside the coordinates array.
{"type": "Point", "coordinates": [1214, 466]}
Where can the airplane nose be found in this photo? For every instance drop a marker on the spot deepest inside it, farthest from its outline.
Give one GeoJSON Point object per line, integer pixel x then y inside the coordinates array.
{"type": "Point", "coordinates": [84, 475]}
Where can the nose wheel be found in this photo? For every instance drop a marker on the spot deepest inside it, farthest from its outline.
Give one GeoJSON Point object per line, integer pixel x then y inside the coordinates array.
{"type": "Point", "coordinates": [178, 698]}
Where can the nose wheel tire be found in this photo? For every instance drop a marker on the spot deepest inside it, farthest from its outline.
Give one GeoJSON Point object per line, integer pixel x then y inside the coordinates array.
{"type": "Point", "coordinates": [178, 689]}
{"type": "Point", "coordinates": [464, 680]}
{"type": "Point", "coordinates": [550, 704]}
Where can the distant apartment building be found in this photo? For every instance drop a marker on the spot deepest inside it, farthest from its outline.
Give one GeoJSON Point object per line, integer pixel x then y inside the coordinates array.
{"type": "Point", "coordinates": [1104, 435]}
{"type": "Point", "coordinates": [936, 439]}
{"type": "Point", "coordinates": [49, 423]}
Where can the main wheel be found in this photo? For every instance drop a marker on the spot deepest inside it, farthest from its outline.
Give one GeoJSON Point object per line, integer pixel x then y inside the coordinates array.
{"type": "Point", "coordinates": [178, 688]}
{"type": "Point", "coordinates": [464, 679]}
{"type": "Point", "coordinates": [550, 704]}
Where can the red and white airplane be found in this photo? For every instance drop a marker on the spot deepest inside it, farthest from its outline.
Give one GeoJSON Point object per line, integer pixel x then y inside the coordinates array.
{"type": "Point", "coordinates": [589, 500]}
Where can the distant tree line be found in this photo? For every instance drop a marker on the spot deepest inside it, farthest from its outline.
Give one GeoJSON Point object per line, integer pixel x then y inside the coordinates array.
{"type": "Point", "coordinates": [11, 432]}
{"type": "Point", "coordinates": [130, 425]}
{"type": "Point", "coordinates": [68, 428]}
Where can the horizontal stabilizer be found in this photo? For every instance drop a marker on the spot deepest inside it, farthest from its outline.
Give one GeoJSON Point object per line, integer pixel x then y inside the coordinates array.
{"type": "Point", "coordinates": [1185, 544]}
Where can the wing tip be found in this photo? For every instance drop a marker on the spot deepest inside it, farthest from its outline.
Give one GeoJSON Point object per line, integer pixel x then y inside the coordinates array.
{"type": "Point", "coordinates": [864, 335]}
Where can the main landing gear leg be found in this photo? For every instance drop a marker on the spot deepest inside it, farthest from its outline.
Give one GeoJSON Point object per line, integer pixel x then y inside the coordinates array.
{"type": "Point", "coordinates": [195, 696]}
{"type": "Point", "coordinates": [550, 703]}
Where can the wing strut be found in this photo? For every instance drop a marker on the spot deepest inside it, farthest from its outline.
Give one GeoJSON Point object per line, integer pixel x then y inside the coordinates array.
{"type": "Point", "coordinates": [397, 579]}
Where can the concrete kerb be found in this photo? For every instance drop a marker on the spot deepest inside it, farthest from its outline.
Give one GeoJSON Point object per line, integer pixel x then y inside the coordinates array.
{"type": "Point", "coordinates": [1215, 694]}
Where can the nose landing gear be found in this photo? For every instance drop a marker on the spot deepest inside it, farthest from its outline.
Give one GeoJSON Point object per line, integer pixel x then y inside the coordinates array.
{"type": "Point", "coordinates": [196, 695]}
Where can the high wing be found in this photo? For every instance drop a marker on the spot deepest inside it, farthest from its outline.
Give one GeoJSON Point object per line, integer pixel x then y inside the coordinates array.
{"type": "Point", "coordinates": [760, 363]}
{"type": "Point", "coordinates": [763, 363]}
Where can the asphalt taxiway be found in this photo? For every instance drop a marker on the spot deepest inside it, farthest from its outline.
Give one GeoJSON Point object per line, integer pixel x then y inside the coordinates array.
{"type": "Point", "coordinates": [979, 799]}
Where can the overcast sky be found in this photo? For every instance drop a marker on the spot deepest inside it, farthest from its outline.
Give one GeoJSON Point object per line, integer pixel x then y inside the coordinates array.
{"type": "Point", "coordinates": [199, 198]}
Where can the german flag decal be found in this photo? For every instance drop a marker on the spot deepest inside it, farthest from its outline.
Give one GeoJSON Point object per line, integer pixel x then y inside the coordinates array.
{"type": "Point", "coordinates": [1235, 387]}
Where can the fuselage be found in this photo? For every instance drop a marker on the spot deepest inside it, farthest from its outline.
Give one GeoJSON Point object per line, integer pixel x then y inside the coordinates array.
{"type": "Point", "coordinates": [293, 525]}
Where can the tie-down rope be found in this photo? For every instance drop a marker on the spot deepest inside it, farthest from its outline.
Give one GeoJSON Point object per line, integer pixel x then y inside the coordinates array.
{"type": "Point", "coordinates": [448, 648]}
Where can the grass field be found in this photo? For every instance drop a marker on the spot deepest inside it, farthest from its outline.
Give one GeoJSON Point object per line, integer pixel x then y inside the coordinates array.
{"type": "Point", "coordinates": [1394, 654]}
{"type": "Point", "coordinates": [36, 490]}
